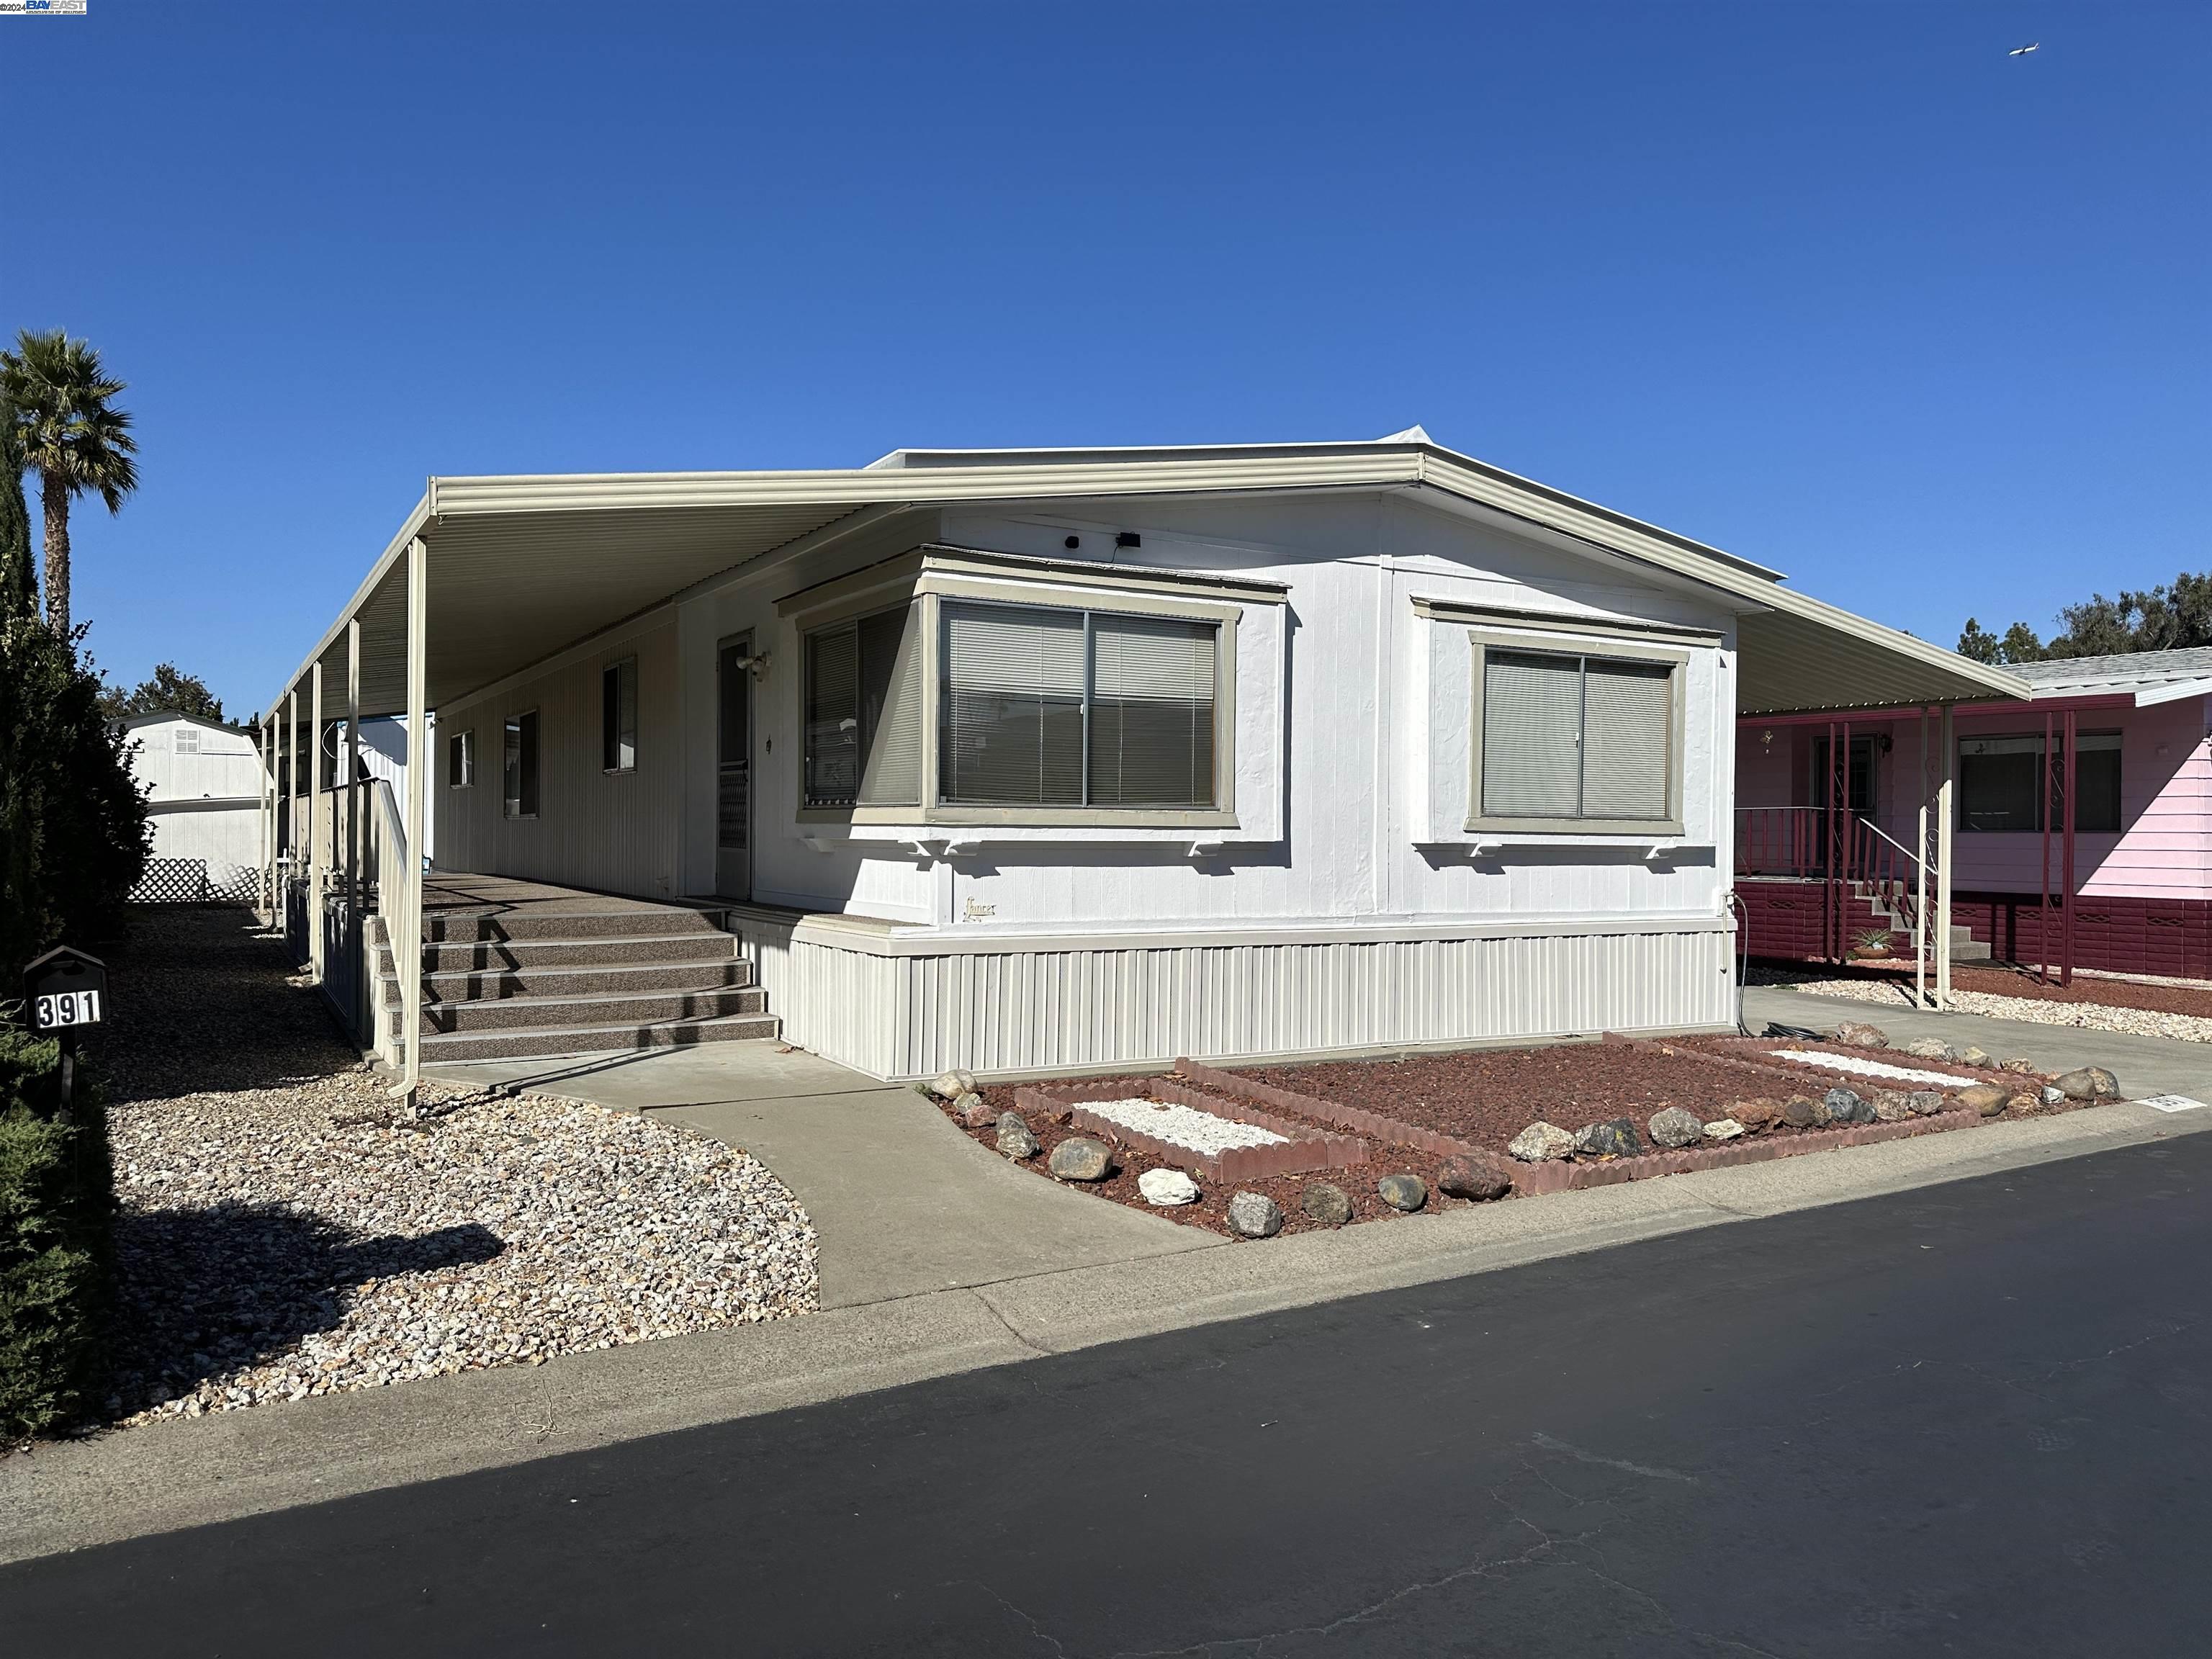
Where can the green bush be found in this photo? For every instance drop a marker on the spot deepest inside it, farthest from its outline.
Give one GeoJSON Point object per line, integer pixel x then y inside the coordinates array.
{"type": "Point", "coordinates": [74, 834]}
{"type": "Point", "coordinates": [56, 1203]}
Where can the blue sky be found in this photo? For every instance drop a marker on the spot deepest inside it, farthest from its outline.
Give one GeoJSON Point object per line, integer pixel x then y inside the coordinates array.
{"type": "Point", "coordinates": [1842, 289]}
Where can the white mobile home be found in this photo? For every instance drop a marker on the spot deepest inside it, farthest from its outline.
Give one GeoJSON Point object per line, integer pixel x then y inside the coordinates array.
{"type": "Point", "coordinates": [1041, 760]}
{"type": "Point", "coordinates": [203, 783]}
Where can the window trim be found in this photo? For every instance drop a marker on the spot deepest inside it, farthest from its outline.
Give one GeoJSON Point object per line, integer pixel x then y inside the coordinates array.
{"type": "Point", "coordinates": [1604, 646]}
{"type": "Point", "coordinates": [926, 593]}
{"type": "Point", "coordinates": [513, 721]}
{"type": "Point", "coordinates": [615, 665]}
{"type": "Point", "coordinates": [462, 745]}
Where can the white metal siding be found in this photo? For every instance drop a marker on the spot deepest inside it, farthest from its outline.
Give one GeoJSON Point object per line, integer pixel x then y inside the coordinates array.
{"type": "Point", "coordinates": [1043, 1011]}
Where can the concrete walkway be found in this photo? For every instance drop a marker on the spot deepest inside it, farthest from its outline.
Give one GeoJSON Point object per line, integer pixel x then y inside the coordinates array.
{"type": "Point", "coordinates": [904, 1202]}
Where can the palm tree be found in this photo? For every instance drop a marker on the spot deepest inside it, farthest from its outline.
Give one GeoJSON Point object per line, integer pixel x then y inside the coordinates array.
{"type": "Point", "coordinates": [55, 394]}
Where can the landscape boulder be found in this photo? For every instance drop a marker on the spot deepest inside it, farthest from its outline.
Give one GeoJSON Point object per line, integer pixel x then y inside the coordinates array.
{"type": "Point", "coordinates": [1471, 1176]}
{"type": "Point", "coordinates": [1803, 1112]}
{"type": "Point", "coordinates": [1757, 1114]}
{"type": "Point", "coordinates": [2086, 1083]}
{"type": "Point", "coordinates": [1672, 1127]}
{"type": "Point", "coordinates": [1403, 1192]}
{"type": "Point", "coordinates": [1328, 1204]}
{"type": "Point", "coordinates": [1724, 1128]}
{"type": "Point", "coordinates": [2025, 1067]}
{"type": "Point", "coordinates": [948, 1086]}
{"type": "Point", "coordinates": [1983, 1098]}
{"type": "Point", "coordinates": [1615, 1138]}
{"type": "Point", "coordinates": [1978, 1057]}
{"type": "Point", "coordinates": [1925, 1102]}
{"type": "Point", "coordinates": [2052, 1096]}
{"type": "Point", "coordinates": [1859, 1034]}
{"type": "Point", "coordinates": [1015, 1139]}
{"type": "Point", "coordinates": [1931, 1049]}
{"type": "Point", "coordinates": [1167, 1187]}
{"type": "Point", "coordinates": [973, 1111]}
{"type": "Point", "coordinates": [1847, 1106]}
{"type": "Point", "coordinates": [1255, 1215]}
{"type": "Point", "coordinates": [2025, 1104]}
{"type": "Point", "coordinates": [1891, 1107]}
{"type": "Point", "coordinates": [1541, 1142]}
{"type": "Point", "coordinates": [1078, 1158]}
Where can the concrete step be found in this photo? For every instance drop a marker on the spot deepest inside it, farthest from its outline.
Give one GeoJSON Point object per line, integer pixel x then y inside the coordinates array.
{"type": "Point", "coordinates": [652, 1008]}
{"type": "Point", "coordinates": [605, 951]}
{"type": "Point", "coordinates": [491, 926]}
{"type": "Point", "coordinates": [499, 984]}
{"type": "Point", "coordinates": [549, 1042]}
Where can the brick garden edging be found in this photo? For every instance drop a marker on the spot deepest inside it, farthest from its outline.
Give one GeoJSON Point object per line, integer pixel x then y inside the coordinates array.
{"type": "Point", "coordinates": [1344, 1117]}
{"type": "Point", "coordinates": [1560, 1176]}
{"type": "Point", "coordinates": [1303, 1149]}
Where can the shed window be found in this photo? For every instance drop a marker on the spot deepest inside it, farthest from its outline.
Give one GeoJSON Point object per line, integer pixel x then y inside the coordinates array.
{"type": "Point", "coordinates": [521, 768]}
{"type": "Point", "coordinates": [461, 759]}
{"type": "Point", "coordinates": [1048, 707]}
{"type": "Point", "coordinates": [619, 716]}
{"type": "Point", "coordinates": [864, 713]}
{"type": "Point", "coordinates": [187, 740]}
{"type": "Point", "coordinates": [1576, 737]}
{"type": "Point", "coordinates": [2001, 784]}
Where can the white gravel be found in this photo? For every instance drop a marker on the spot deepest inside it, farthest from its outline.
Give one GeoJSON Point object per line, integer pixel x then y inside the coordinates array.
{"type": "Point", "coordinates": [1880, 1068]}
{"type": "Point", "coordinates": [279, 1236]}
{"type": "Point", "coordinates": [2084, 1016]}
{"type": "Point", "coordinates": [1183, 1126]}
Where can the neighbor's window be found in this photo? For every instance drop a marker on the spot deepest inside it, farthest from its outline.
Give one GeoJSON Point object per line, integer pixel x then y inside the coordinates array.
{"type": "Point", "coordinates": [1100, 708]}
{"type": "Point", "coordinates": [619, 716]}
{"type": "Point", "coordinates": [521, 769]}
{"type": "Point", "coordinates": [1576, 737]}
{"type": "Point", "coordinates": [863, 713]}
{"type": "Point", "coordinates": [461, 760]}
{"type": "Point", "coordinates": [2001, 783]}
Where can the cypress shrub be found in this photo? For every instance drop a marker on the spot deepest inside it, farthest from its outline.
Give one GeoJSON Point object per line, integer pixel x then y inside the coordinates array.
{"type": "Point", "coordinates": [55, 1201]}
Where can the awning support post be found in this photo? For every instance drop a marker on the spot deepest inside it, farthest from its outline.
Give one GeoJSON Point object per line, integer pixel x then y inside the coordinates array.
{"type": "Point", "coordinates": [268, 894]}
{"type": "Point", "coordinates": [353, 771]}
{"type": "Point", "coordinates": [2050, 777]}
{"type": "Point", "coordinates": [1945, 792]}
{"type": "Point", "coordinates": [317, 809]}
{"type": "Point", "coordinates": [407, 943]}
{"type": "Point", "coordinates": [2066, 866]}
{"type": "Point", "coordinates": [291, 800]}
{"type": "Point", "coordinates": [1921, 937]}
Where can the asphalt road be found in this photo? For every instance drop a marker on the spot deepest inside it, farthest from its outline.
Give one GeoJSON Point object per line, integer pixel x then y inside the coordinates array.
{"type": "Point", "coordinates": [1972, 1419]}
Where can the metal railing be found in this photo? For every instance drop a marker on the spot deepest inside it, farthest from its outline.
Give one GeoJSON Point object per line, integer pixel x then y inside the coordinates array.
{"type": "Point", "coordinates": [1848, 853]}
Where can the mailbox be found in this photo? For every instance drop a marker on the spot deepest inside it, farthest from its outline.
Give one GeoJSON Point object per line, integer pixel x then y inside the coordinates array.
{"type": "Point", "coordinates": [65, 989]}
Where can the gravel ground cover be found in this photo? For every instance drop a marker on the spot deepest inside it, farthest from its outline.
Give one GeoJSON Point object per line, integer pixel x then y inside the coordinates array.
{"type": "Point", "coordinates": [1211, 1210]}
{"type": "Point", "coordinates": [1185, 1126]}
{"type": "Point", "coordinates": [281, 1236]}
{"type": "Point", "coordinates": [2138, 1008]}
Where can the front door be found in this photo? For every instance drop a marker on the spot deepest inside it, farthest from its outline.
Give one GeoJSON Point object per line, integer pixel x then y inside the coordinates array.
{"type": "Point", "coordinates": [1859, 785]}
{"type": "Point", "coordinates": [733, 755]}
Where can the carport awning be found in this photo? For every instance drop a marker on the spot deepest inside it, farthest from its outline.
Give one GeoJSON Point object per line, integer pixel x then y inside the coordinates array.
{"type": "Point", "coordinates": [520, 569]}
{"type": "Point", "coordinates": [1792, 662]}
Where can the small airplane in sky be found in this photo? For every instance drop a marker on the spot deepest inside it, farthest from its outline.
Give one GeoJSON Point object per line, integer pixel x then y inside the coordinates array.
{"type": "Point", "coordinates": [2022, 52]}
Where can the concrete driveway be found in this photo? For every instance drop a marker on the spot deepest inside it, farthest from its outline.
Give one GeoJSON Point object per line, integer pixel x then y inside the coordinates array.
{"type": "Point", "coordinates": [904, 1202]}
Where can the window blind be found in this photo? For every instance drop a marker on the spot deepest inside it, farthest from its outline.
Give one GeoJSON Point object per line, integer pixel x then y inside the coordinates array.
{"type": "Point", "coordinates": [1013, 706]}
{"type": "Point", "coordinates": [890, 709]}
{"type": "Point", "coordinates": [1531, 736]}
{"type": "Point", "coordinates": [1628, 722]}
{"type": "Point", "coordinates": [1152, 711]}
{"type": "Point", "coordinates": [833, 716]}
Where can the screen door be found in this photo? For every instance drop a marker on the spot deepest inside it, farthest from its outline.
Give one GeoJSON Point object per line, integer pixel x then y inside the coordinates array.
{"type": "Point", "coordinates": [733, 754]}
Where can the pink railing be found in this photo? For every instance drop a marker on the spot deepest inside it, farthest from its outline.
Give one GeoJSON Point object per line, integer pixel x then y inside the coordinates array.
{"type": "Point", "coordinates": [1808, 842]}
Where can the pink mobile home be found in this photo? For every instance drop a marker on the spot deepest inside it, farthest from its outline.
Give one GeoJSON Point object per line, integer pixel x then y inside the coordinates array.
{"type": "Point", "coordinates": [2140, 794]}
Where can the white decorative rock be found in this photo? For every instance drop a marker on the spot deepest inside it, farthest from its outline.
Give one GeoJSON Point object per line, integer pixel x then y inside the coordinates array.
{"type": "Point", "coordinates": [1167, 1187]}
{"type": "Point", "coordinates": [1541, 1142]}
{"type": "Point", "coordinates": [951, 1086]}
{"type": "Point", "coordinates": [1725, 1128]}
